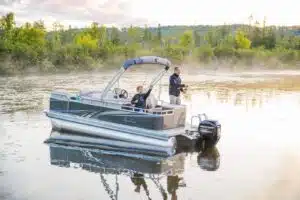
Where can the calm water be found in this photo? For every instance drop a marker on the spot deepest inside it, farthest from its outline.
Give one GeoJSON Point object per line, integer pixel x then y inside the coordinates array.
{"type": "Point", "coordinates": [258, 151]}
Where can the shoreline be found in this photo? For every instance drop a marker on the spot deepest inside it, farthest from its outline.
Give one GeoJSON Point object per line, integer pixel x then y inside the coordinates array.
{"type": "Point", "coordinates": [189, 68]}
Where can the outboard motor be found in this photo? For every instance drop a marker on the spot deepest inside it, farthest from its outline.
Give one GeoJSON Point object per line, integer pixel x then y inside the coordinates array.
{"type": "Point", "coordinates": [209, 130]}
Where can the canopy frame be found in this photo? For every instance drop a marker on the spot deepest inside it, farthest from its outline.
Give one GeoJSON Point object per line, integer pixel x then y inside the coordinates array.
{"type": "Point", "coordinates": [138, 61]}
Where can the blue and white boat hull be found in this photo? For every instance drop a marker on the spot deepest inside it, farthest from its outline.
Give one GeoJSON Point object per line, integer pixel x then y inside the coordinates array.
{"type": "Point", "coordinates": [112, 134]}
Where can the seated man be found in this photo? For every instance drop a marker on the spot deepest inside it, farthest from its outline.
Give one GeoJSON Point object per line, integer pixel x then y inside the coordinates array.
{"type": "Point", "coordinates": [139, 99]}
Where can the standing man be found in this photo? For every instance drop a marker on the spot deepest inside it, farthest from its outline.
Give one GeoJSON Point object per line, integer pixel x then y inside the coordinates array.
{"type": "Point", "coordinates": [175, 87]}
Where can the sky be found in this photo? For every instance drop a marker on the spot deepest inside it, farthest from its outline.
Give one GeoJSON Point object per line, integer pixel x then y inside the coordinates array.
{"type": "Point", "coordinates": [80, 13]}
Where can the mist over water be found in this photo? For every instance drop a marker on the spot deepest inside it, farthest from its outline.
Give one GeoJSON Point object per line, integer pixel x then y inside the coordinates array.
{"type": "Point", "coordinates": [258, 151]}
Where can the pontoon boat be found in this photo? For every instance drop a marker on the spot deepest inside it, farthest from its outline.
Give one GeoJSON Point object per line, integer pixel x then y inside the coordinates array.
{"type": "Point", "coordinates": [108, 114]}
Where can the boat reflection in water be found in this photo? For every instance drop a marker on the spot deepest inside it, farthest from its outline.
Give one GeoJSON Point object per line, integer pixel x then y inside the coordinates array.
{"type": "Point", "coordinates": [209, 159]}
{"type": "Point", "coordinates": [140, 169]}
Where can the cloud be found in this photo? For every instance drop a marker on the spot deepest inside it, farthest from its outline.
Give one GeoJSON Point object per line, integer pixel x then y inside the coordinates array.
{"type": "Point", "coordinates": [117, 12]}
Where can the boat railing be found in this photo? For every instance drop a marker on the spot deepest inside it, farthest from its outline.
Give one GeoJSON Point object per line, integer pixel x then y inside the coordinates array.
{"type": "Point", "coordinates": [151, 110]}
{"type": "Point", "coordinates": [126, 107]}
{"type": "Point", "coordinates": [115, 105]}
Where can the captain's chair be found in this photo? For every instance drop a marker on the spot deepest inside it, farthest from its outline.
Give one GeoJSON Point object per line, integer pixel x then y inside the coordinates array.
{"type": "Point", "coordinates": [151, 102]}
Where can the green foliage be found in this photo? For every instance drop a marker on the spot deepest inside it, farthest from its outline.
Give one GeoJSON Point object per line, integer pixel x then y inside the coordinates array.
{"type": "Point", "coordinates": [186, 40]}
{"type": "Point", "coordinates": [241, 41]}
{"type": "Point", "coordinates": [30, 46]}
{"type": "Point", "coordinates": [205, 53]}
{"type": "Point", "coordinates": [87, 41]}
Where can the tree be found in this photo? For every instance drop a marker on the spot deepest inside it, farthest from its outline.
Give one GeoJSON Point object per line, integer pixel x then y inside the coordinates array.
{"type": "Point", "coordinates": [147, 34]}
{"type": "Point", "coordinates": [56, 38]}
{"type": "Point", "coordinates": [31, 45]}
{"type": "Point", "coordinates": [197, 39]}
{"type": "Point", "coordinates": [269, 39]}
{"type": "Point", "coordinates": [114, 36]}
{"type": "Point", "coordinates": [132, 34]}
{"type": "Point", "coordinates": [102, 35]}
{"type": "Point", "coordinates": [94, 31]}
{"type": "Point", "coordinates": [186, 40]}
{"type": "Point", "coordinates": [39, 25]}
{"type": "Point", "coordinates": [8, 22]}
{"type": "Point", "coordinates": [210, 38]}
{"type": "Point", "coordinates": [159, 34]}
{"type": "Point", "coordinates": [86, 40]}
{"type": "Point", "coordinates": [241, 41]}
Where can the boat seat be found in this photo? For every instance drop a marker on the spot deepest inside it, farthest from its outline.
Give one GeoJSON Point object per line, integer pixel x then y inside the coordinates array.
{"type": "Point", "coordinates": [151, 102]}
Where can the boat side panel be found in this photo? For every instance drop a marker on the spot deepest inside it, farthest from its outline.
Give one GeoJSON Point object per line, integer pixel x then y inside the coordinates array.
{"type": "Point", "coordinates": [142, 120]}
{"type": "Point", "coordinates": [153, 122]}
{"type": "Point", "coordinates": [59, 105]}
{"type": "Point", "coordinates": [176, 120]}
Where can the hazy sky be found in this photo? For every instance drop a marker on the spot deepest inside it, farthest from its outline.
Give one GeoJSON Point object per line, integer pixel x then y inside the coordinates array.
{"type": "Point", "coordinates": [166, 12]}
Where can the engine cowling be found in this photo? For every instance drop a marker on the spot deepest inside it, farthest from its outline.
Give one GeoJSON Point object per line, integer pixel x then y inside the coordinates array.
{"type": "Point", "coordinates": [210, 130]}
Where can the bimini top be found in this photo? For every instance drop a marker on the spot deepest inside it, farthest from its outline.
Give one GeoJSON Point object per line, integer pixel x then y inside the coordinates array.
{"type": "Point", "coordinates": [147, 60]}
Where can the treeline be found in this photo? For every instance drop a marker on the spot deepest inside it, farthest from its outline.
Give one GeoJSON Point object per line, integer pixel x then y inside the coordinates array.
{"type": "Point", "coordinates": [31, 47]}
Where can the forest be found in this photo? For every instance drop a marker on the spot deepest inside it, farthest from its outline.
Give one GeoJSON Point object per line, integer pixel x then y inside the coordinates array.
{"type": "Point", "coordinates": [32, 48]}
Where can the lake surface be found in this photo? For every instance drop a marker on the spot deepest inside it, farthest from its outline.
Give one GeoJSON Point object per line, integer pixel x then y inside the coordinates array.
{"type": "Point", "coordinates": [258, 151]}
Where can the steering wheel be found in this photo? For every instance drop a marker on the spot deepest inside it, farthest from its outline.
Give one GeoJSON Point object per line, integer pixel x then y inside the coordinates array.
{"type": "Point", "coordinates": [121, 93]}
